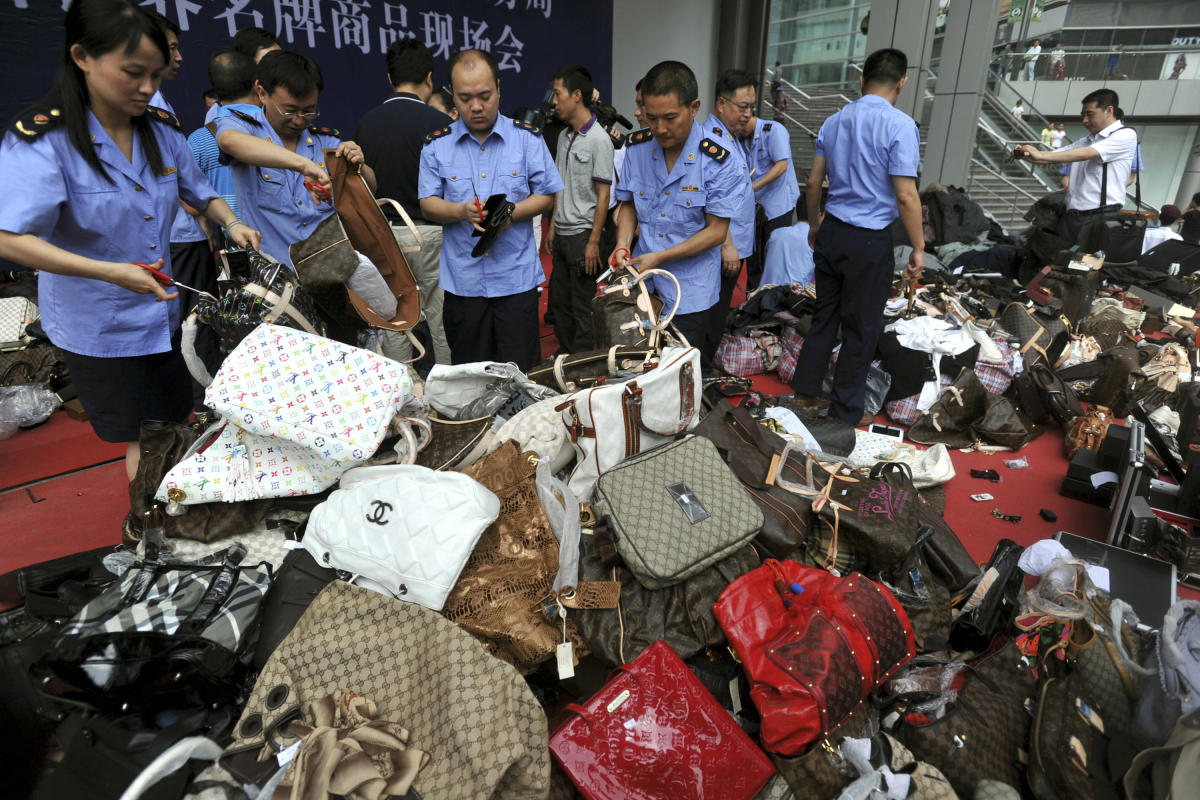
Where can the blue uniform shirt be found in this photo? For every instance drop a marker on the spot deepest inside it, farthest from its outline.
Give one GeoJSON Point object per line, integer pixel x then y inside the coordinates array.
{"type": "Point", "coordinates": [742, 224]}
{"type": "Point", "coordinates": [863, 145]}
{"type": "Point", "coordinates": [770, 144]}
{"type": "Point", "coordinates": [273, 200]}
{"type": "Point", "coordinates": [49, 191]}
{"type": "Point", "coordinates": [456, 167]}
{"type": "Point", "coordinates": [671, 208]}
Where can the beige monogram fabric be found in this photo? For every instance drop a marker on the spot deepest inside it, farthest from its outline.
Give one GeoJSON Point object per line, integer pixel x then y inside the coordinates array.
{"type": "Point", "coordinates": [472, 712]}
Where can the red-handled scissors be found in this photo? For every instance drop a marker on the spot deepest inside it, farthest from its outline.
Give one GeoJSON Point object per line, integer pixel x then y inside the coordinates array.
{"type": "Point", "coordinates": [167, 280]}
{"type": "Point", "coordinates": [320, 191]}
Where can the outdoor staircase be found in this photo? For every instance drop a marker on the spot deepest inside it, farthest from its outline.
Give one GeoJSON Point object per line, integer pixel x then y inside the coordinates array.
{"type": "Point", "coordinates": [1004, 187]}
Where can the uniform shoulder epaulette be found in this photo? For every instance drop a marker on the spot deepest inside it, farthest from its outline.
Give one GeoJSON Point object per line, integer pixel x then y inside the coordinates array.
{"type": "Point", "coordinates": [164, 116]}
{"type": "Point", "coordinates": [713, 150]}
{"type": "Point", "coordinates": [36, 122]}
{"type": "Point", "coordinates": [237, 112]}
{"type": "Point", "coordinates": [439, 133]}
{"type": "Point", "coordinates": [718, 132]}
{"type": "Point", "coordinates": [322, 130]}
{"type": "Point", "coordinates": [637, 137]}
{"type": "Point", "coordinates": [528, 126]}
{"type": "Point", "coordinates": [767, 126]}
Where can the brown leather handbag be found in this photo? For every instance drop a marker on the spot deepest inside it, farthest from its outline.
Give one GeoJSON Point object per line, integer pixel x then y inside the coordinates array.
{"type": "Point", "coordinates": [1088, 431]}
{"type": "Point", "coordinates": [749, 448]}
{"type": "Point", "coordinates": [568, 372]}
{"type": "Point", "coordinates": [162, 445]}
{"type": "Point", "coordinates": [370, 233]}
{"type": "Point", "coordinates": [979, 736]}
{"type": "Point", "coordinates": [502, 593]}
{"type": "Point", "coordinates": [625, 312]}
{"type": "Point", "coordinates": [951, 419]}
{"type": "Point", "coordinates": [326, 257]}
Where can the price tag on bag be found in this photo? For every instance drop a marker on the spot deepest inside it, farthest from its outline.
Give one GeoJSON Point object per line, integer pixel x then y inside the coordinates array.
{"type": "Point", "coordinates": [566, 661]}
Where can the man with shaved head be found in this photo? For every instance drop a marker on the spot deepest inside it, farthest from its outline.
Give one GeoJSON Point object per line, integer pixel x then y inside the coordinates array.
{"type": "Point", "coordinates": [491, 301]}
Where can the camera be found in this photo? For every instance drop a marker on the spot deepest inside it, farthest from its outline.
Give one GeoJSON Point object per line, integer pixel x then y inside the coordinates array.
{"type": "Point", "coordinates": [539, 116]}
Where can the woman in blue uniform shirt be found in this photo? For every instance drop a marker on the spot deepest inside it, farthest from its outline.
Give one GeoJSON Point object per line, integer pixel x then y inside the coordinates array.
{"type": "Point", "coordinates": [89, 183]}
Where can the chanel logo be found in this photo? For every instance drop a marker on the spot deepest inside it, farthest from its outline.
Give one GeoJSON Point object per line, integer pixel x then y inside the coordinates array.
{"type": "Point", "coordinates": [378, 510]}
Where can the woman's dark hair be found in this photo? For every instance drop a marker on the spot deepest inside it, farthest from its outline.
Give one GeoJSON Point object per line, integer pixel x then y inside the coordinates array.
{"type": "Point", "coordinates": [101, 27]}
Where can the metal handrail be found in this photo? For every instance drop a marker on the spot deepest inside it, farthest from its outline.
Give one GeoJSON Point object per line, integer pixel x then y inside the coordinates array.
{"type": "Point", "coordinates": [1017, 190]}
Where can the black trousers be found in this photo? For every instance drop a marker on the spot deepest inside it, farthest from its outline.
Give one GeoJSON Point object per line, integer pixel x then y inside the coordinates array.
{"type": "Point", "coordinates": [192, 263]}
{"type": "Point", "coordinates": [493, 328]}
{"type": "Point", "coordinates": [571, 293]}
{"type": "Point", "coordinates": [854, 268]}
{"type": "Point", "coordinates": [698, 328]}
{"type": "Point", "coordinates": [758, 259]}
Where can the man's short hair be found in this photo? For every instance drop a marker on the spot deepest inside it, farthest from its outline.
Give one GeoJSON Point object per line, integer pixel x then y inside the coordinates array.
{"type": "Point", "coordinates": [1196, 199]}
{"type": "Point", "coordinates": [469, 55]}
{"type": "Point", "coordinates": [408, 61]}
{"type": "Point", "coordinates": [671, 77]}
{"type": "Point", "coordinates": [731, 80]}
{"type": "Point", "coordinates": [290, 69]}
{"type": "Point", "coordinates": [637, 87]}
{"type": "Point", "coordinates": [1103, 98]}
{"type": "Point", "coordinates": [251, 40]}
{"type": "Point", "coordinates": [231, 74]}
{"type": "Point", "coordinates": [577, 77]}
{"type": "Point", "coordinates": [164, 22]}
{"type": "Point", "coordinates": [884, 67]}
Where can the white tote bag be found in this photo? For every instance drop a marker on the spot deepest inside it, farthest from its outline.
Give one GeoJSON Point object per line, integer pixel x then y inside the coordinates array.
{"type": "Point", "coordinates": [404, 530]}
{"type": "Point", "coordinates": [610, 423]}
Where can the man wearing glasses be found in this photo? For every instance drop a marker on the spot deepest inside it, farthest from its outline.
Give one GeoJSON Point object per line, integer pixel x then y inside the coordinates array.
{"type": "Point", "coordinates": [1100, 163]}
{"type": "Point", "coordinates": [733, 113]}
{"type": "Point", "coordinates": [274, 149]}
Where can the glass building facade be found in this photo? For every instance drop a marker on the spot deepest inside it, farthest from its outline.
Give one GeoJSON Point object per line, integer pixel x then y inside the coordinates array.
{"type": "Point", "coordinates": [815, 40]}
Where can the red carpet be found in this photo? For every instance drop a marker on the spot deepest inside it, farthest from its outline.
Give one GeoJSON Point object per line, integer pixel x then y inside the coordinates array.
{"type": "Point", "coordinates": [58, 446]}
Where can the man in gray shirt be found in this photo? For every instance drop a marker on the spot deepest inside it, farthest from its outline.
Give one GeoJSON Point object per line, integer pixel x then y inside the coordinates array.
{"type": "Point", "coordinates": [585, 162]}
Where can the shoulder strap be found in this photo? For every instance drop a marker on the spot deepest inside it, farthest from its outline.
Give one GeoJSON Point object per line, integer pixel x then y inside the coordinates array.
{"type": "Point", "coordinates": [1137, 176]}
{"type": "Point", "coordinates": [212, 128]}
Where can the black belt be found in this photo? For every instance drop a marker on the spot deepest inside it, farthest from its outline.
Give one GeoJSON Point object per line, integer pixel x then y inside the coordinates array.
{"type": "Point", "coordinates": [1074, 212]}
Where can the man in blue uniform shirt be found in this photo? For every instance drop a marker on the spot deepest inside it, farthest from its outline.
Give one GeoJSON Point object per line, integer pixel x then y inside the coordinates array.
{"type": "Point", "coordinates": [871, 152]}
{"type": "Point", "coordinates": [768, 149]}
{"type": "Point", "coordinates": [682, 187]}
{"type": "Point", "coordinates": [733, 111]}
{"type": "Point", "coordinates": [273, 150]}
{"type": "Point", "coordinates": [491, 302]}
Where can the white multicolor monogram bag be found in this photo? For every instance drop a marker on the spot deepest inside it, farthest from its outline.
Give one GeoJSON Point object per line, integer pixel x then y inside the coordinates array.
{"type": "Point", "coordinates": [329, 397]}
{"type": "Point", "coordinates": [228, 464]}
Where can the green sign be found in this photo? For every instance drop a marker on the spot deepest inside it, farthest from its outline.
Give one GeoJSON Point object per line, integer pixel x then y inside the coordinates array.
{"type": "Point", "coordinates": [1017, 10]}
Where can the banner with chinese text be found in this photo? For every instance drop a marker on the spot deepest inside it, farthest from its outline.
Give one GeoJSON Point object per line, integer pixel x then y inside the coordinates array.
{"type": "Point", "coordinates": [348, 39]}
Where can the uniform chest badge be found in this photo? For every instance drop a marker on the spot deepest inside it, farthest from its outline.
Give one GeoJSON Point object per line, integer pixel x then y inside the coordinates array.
{"type": "Point", "coordinates": [690, 188]}
{"type": "Point", "coordinates": [169, 171]}
{"type": "Point", "coordinates": [691, 156]}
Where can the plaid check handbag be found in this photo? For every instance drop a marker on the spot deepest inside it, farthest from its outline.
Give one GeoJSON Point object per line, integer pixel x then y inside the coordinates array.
{"type": "Point", "coordinates": [164, 635]}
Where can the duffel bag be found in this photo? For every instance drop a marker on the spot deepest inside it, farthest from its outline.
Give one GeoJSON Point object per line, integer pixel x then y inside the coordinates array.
{"type": "Point", "coordinates": [813, 645]}
{"type": "Point", "coordinates": [1042, 336]}
{"type": "Point", "coordinates": [570, 372]}
{"type": "Point", "coordinates": [610, 423]}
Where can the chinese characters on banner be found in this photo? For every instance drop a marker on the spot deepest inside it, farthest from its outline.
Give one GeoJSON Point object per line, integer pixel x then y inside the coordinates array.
{"type": "Point", "coordinates": [348, 39]}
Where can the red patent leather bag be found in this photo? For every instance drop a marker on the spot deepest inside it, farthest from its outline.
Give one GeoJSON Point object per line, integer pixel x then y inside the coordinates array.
{"type": "Point", "coordinates": [655, 733]}
{"type": "Point", "coordinates": [813, 646]}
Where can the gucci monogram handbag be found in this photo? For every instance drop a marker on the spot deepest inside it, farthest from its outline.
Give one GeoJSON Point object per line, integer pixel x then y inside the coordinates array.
{"type": "Point", "coordinates": [675, 510]}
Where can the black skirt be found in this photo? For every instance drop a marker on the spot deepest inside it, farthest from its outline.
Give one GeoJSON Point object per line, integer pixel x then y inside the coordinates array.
{"type": "Point", "coordinates": [118, 393]}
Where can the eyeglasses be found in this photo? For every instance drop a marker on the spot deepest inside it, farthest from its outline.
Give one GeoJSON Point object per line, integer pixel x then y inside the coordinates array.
{"type": "Point", "coordinates": [743, 107]}
{"type": "Point", "coordinates": [310, 116]}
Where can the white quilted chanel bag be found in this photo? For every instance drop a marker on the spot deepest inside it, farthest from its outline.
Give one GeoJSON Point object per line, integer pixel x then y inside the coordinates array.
{"type": "Point", "coordinates": [612, 422]}
{"type": "Point", "coordinates": [404, 530]}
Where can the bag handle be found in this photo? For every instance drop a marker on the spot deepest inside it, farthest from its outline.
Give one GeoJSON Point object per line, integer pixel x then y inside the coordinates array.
{"type": "Point", "coordinates": [639, 280]}
{"type": "Point", "coordinates": [281, 305]}
{"type": "Point", "coordinates": [187, 347]}
{"type": "Point", "coordinates": [399, 209]}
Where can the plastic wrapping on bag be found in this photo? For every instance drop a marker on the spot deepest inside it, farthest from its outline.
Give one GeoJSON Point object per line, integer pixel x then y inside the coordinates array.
{"type": "Point", "coordinates": [562, 510]}
{"type": "Point", "coordinates": [367, 283]}
{"type": "Point", "coordinates": [24, 405]}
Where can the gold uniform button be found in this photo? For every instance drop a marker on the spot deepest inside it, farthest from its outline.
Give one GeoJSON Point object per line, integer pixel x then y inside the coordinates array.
{"type": "Point", "coordinates": [148, 218]}
{"type": "Point", "coordinates": [483, 174]}
{"type": "Point", "coordinates": [663, 214]}
{"type": "Point", "coordinates": [514, 173]}
{"type": "Point", "coordinates": [266, 176]}
{"type": "Point", "coordinates": [453, 177]}
{"type": "Point", "coordinates": [667, 192]}
{"type": "Point", "coordinates": [309, 139]}
{"type": "Point", "coordinates": [153, 247]}
{"type": "Point", "coordinates": [137, 187]}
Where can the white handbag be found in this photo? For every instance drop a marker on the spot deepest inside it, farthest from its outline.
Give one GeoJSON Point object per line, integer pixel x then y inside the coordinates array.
{"type": "Point", "coordinates": [335, 399]}
{"type": "Point", "coordinates": [539, 429]}
{"type": "Point", "coordinates": [228, 465]}
{"type": "Point", "coordinates": [930, 466]}
{"type": "Point", "coordinates": [405, 531]}
{"type": "Point", "coordinates": [609, 423]}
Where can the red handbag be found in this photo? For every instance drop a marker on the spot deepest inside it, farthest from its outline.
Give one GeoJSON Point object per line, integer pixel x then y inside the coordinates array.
{"type": "Point", "coordinates": [813, 646]}
{"type": "Point", "coordinates": [653, 731]}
